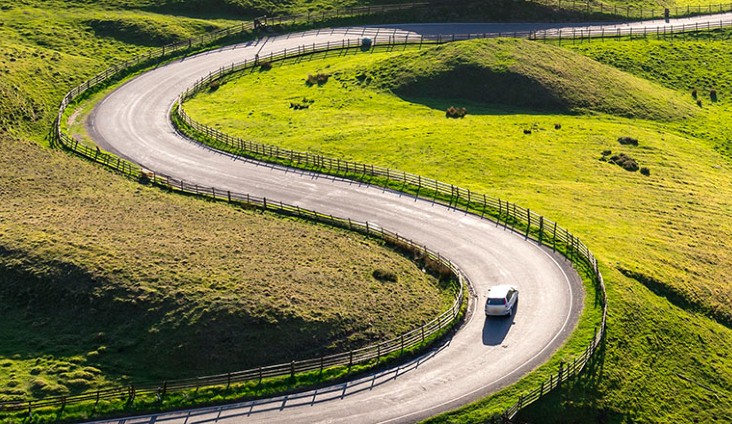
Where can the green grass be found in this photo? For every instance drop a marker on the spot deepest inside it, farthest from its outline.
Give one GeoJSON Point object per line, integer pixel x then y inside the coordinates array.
{"type": "Point", "coordinates": [658, 236]}
{"type": "Point", "coordinates": [104, 281]}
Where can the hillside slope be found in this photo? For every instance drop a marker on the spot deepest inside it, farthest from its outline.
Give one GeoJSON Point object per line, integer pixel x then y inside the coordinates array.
{"type": "Point", "coordinates": [525, 75]}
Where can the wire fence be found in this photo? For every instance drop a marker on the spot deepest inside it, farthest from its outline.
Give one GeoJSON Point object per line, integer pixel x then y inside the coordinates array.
{"type": "Point", "coordinates": [519, 219]}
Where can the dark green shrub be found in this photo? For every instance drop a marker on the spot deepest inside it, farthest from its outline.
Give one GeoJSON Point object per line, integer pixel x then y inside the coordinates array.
{"type": "Point", "coordinates": [318, 79]}
{"type": "Point", "coordinates": [713, 95]}
{"type": "Point", "coordinates": [699, 103]}
{"type": "Point", "coordinates": [694, 94]}
{"type": "Point", "coordinates": [645, 171]}
{"type": "Point", "coordinates": [624, 161]}
{"type": "Point", "coordinates": [456, 112]}
{"type": "Point", "coordinates": [557, 126]}
{"type": "Point", "coordinates": [628, 141]}
{"type": "Point", "coordinates": [384, 275]}
{"type": "Point", "coordinates": [366, 43]}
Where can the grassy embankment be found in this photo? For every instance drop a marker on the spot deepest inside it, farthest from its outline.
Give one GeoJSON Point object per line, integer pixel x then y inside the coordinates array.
{"type": "Point", "coordinates": [658, 236]}
{"type": "Point", "coordinates": [104, 281]}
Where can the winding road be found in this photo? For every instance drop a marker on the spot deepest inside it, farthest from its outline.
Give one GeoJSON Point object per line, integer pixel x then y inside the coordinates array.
{"type": "Point", "coordinates": [485, 355]}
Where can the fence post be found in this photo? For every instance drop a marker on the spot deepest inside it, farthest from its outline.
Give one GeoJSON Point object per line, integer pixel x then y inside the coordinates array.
{"type": "Point", "coordinates": [528, 223]}
{"type": "Point", "coordinates": [350, 360]}
{"type": "Point", "coordinates": [422, 332]}
{"type": "Point", "coordinates": [541, 229]}
{"type": "Point", "coordinates": [559, 375]}
{"type": "Point", "coordinates": [292, 369]}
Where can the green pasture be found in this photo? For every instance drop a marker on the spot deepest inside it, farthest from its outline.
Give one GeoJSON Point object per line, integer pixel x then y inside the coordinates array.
{"type": "Point", "coordinates": [659, 236]}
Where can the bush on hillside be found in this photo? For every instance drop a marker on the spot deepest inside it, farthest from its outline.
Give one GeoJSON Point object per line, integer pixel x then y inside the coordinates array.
{"type": "Point", "coordinates": [628, 141]}
{"type": "Point", "coordinates": [318, 79]}
{"type": "Point", "coordinates": [713, 95]}
{"type": "Point", "coordinates": [265, 66]}
{"type": "Point", "coordinates": [384, 275]}
{"type": "Point", "coordinates": [456, 112]}
{"type": "Point", "coordinates": [624, 161]}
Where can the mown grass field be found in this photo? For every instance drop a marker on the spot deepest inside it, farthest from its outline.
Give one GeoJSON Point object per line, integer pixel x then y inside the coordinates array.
{"type": "Point", "coordinates": [660, 237]}
{"type": "Point", "coordinates": [105, 281]}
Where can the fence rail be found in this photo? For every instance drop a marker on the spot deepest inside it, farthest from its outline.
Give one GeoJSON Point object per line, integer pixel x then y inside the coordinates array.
{"type": "Point", "coordinates": [594, 7]}
{"type": "Point", "coordinates": [522, 220]}
{"type": "Point", "coordinates": [418, 337]}
{"type": "Point", "coordinates": [519, 219]}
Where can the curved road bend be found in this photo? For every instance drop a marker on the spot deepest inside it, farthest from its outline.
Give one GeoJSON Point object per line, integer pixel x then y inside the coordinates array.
{"type": "Point", "coordinates": [485, 355]}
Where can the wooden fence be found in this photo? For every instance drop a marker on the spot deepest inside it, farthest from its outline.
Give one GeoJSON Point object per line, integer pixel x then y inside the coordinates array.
{"type": "Point", "coordinates": [416, 338]}
{"type": "Point", "coordinates": [521, 220]}
{"type": "Point", "coordinates": [593, 7]}
{"type": "Point", "coordinates": [504, 213]}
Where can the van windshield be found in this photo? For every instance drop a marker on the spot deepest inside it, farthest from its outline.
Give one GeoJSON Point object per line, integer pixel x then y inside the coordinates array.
{"type": "Point", "coordinates": [500, 301]}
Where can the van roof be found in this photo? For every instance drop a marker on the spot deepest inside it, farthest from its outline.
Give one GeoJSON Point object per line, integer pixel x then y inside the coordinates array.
{"type": "Point", "coordinates": [499, 291]}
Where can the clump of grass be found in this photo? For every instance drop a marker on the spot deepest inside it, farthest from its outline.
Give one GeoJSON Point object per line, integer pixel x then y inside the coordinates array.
{"type": "Point", "coordinates": [624, 161]}
{"type": "Point", "coordinates": [265, 66]}
{"type": "Point", "coordinates": [317, 79]}
{"type": "Point", "coordinates": [456, 112]}
{"type": "Point", "coordinates": [629, 141]}
{"type": "Point", "coordinates": [385, 275]}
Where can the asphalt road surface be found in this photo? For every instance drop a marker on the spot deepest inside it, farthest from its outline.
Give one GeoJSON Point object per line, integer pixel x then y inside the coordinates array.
{"type": "Point", "coordinates": [485, 355]}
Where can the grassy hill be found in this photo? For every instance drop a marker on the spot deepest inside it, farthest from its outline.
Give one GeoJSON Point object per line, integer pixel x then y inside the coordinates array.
{"type": "Point", "coordinates": [524, 75]}
{"type": "Point", "coordinates": [659, 237]}
{"type": "Point", "coordinates": [103, 280]}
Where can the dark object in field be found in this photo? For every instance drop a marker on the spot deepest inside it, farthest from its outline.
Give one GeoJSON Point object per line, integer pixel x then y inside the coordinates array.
{"type": "Point", "coordinates": [527, 132]}
{"type": "Point", "coordinates": [557, 126]}
{"type": "Point", "coordinates": [628, 141]}
{"type": "Point", "coordinates": [624, 161]}
{"type": "Point", "coordinates": [456, 112]}
{"type": "Point", "coordinates": [318, 79]}
{"type": "Point", "coordinates": [713, 95]}
{"type": "Point", "coordinates": [645, 171]}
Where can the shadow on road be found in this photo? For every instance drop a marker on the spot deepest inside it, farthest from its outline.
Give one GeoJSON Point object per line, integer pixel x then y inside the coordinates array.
{"type": "Point", "coordinates": [496, 328]}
